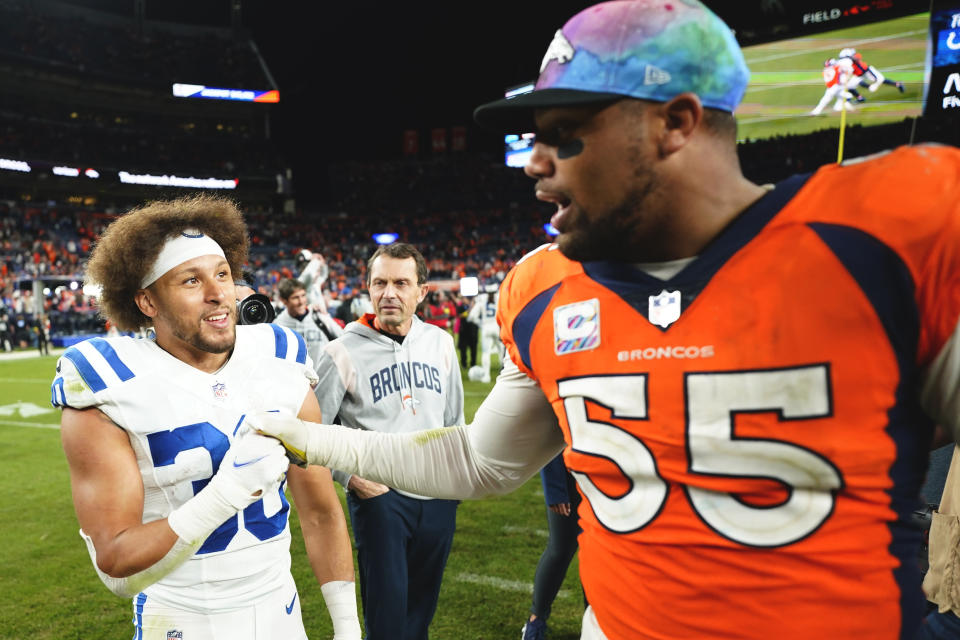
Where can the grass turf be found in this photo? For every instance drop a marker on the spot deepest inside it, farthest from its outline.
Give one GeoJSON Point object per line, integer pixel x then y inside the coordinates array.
{"type": "Point", "coordinates": [49, 591]}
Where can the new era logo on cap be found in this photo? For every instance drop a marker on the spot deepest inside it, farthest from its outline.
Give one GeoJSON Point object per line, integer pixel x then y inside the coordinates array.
{"type": "Point", "coordinates": [655, 75]}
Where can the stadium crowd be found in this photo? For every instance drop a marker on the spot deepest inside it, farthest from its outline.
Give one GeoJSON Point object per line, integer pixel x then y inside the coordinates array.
{"type": "Point", "coordinates": [472, 215]}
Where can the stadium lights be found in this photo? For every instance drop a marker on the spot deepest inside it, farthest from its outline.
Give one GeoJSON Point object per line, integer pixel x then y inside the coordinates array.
{"type": "Point", "coordinates": [14, 165]}
{"type": "Point", "coordinates": [72, 172]}
{"type": "Point", "coordinates": [124, 176]}
{"type": "Point", "coordinates": [92, 290]}
{"type": "Point", "coordinates": [385, 238]}
{"type": "Point", "coordinates": [519, 148]}
{"type": "Point", "coordinates": [181, 90]}
{"type": "Point", "coordinates": [469, 286]}
{"type": "Point", "coordinates": [177, 181]}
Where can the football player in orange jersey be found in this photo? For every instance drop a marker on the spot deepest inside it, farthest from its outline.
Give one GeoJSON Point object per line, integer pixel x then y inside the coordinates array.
{"type": "Point", "coordinates": [836, 76]}
{"type": "Point", "coordinates": [743, 379]}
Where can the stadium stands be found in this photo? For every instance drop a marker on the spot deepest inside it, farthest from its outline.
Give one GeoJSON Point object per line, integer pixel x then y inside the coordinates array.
{"type": "Point", "coordinates": [466, 210]}
{"type": "Point", "coordinates": [470, 213]}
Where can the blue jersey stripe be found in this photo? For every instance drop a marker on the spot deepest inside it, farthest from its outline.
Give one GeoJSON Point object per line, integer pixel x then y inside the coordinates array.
{"type": "Point", "coordinates": [55, 399]}
{"type": "Point", "coordinates": [281, 339]}
{"type": "Point", "coordinates": [110, 355]}
{"type": "Point", "coordinates": [85, 369]}
{"type": "Point", "coordinates": [527, 320]}
{"type": "Point", "coordinates": [138, 615]}
{"type": "Point", "coordinates": [887, 283]}
{"type": "Point", "coordinates": [301, 348]}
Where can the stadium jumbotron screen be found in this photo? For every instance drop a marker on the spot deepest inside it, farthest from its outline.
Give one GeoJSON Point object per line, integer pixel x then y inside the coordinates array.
{"type": "Point", "coordinates": [787, 79]}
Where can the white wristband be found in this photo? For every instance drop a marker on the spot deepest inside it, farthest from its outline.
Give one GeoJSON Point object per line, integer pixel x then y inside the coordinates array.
{"type": "Point", "coordinates": [341, 599]}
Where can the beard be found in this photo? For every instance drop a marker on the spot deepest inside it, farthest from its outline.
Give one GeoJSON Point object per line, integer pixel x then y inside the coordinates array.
{"type": "Point", "coordinates": [624, 233]}
{"type": "Point", "coordinates": [192, 334]}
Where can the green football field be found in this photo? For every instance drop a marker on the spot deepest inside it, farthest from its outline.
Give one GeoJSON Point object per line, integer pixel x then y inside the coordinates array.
{"type": "Point", "coordinates": [786, 82]}
{"type": "Point", "coordinates": [49, 591]}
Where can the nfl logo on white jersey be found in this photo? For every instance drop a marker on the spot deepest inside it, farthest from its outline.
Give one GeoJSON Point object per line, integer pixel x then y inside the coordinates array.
{"type": "Point", "coordinates": [664, 308]}
{"type": "Point", "coordinates": [220, 391]}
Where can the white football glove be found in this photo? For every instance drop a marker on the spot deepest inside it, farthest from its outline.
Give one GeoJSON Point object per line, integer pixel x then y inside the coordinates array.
{"type": "Point", "coordinates": [254, 464]}
{"type": "Point", "coordinates": [292, 432]}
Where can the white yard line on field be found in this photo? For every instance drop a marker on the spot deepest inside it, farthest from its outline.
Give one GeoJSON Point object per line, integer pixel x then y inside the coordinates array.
{"type": "Point", "coordinates": [35, 425]}
{"type": "Point", "coordinates": [818, 45]}
{"type": "Point", "coordinates": [501, 583]}
{"type": "Point", "coordinates": [543, 533]}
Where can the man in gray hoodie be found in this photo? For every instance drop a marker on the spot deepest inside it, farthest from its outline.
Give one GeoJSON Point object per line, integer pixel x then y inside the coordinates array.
{"type": "Point", "coordinates": [393, 373]}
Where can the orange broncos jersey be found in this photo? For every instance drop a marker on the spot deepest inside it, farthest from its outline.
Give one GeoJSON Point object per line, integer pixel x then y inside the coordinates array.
{"type": "Point", "coordinates": [747, 435]}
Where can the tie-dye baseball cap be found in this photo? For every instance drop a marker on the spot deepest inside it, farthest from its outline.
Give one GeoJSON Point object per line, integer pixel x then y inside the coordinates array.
{"type": "Point", "coordinates": [647, 49]}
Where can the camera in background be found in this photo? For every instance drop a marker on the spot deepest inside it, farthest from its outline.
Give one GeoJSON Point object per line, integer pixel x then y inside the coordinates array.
{"type": "Point", "coordinates": [256, 308]}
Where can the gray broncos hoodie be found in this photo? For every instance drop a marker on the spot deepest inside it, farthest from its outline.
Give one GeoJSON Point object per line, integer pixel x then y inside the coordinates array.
{"type": "Point", "coordinates": [373, 382]}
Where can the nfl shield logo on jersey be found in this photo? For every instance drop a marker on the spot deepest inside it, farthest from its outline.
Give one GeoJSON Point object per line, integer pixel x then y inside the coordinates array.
{"type": "Point", "coordinates": [220, 391]}
{"type": "Point", "coordinates": [576, 327]}
{"type": "Point", "coordinates": [664, 308]}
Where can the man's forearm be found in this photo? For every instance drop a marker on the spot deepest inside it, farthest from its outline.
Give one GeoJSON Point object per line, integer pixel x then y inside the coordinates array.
{"type": "Point", "coordinates": [514, 433]}
{"type": "Point", "coordinates": [437, 462]}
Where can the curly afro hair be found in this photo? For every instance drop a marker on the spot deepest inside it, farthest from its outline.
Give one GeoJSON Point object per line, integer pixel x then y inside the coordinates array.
{"type": "Point", "coordinates": [130, 245]}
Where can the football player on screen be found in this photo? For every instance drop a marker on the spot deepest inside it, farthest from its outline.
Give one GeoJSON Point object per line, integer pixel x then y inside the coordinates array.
{"type": "Point", "coordinates": [866, 73]}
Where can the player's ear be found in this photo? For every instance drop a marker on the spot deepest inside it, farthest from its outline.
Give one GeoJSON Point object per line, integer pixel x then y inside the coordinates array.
{"type": "Point", "coordinates": [682, 115]}
{"type": "Point", "coordinates": [145, 303]}
{"type": "Point", "coordinates": [424, 290]}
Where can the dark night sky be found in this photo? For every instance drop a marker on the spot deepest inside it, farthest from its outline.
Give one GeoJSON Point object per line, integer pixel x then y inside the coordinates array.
{"type": "Point", "coordinates": [353, 76]}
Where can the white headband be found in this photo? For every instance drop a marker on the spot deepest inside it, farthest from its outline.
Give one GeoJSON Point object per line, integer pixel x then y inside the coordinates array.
{"type": "Point", "coordinates": [188, 245]}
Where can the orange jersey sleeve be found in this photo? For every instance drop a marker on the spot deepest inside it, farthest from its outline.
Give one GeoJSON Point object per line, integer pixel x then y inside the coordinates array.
{"type": "Point", "coordinates": [747, 435]}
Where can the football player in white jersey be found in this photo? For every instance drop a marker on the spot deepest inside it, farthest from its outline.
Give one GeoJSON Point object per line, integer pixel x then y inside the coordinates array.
{"type": "Point", "coordinates": [182, 507]}
{"type": "Point", "coordinates": [484, 313]}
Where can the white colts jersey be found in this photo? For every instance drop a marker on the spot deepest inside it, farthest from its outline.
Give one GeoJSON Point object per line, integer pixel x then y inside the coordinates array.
{"type": "Point", "coordinates": [180, 422]}
{"type": "Point", "coordinates": [489, 321]}
{"type": "Point", "coordinates": [310, 328]}
{"type": "Point", "coordinates": [484, 313]}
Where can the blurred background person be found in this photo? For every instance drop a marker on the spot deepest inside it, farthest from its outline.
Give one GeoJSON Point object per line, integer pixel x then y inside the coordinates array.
{"type": "Point", "coordinates": [316, 326]}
